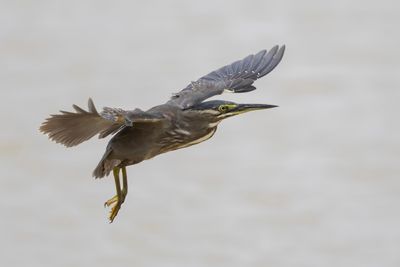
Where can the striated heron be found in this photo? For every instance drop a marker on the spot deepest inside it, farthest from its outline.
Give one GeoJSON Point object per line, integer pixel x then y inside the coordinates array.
{"type": "Point", "coordinates": [185, 120]}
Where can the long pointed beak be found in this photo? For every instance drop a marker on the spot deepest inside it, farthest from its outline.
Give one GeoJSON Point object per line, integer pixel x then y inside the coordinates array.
{"type": "Point", "coordinates": [241, 108]}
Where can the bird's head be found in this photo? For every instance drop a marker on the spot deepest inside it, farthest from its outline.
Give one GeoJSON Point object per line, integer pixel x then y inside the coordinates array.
{"type": "Point", "coordinates": [219, 109]}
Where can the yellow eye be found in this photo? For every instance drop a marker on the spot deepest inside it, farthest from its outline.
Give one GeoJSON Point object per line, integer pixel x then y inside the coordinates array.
{"type": "Point", "coordinates": [223, 108]}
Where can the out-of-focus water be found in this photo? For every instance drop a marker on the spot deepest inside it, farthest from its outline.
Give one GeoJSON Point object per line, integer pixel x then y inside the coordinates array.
{"type": "Point", "coordinates": [312, 183]}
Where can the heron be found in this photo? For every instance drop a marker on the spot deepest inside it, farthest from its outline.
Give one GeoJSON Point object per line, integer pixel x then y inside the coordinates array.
{"type": "Point", "coordinates": [186, 119]}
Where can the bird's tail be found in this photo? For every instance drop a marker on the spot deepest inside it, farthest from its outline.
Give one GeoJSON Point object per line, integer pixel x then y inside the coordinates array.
{"type": "Point", "coordinates": [105, 165]}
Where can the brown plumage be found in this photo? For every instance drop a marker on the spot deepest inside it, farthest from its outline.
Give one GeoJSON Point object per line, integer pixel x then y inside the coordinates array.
{"type": "Point", "coordinates": [185, 120]}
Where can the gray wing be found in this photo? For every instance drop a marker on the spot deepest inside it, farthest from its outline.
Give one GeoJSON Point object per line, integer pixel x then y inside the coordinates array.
{"type": "Point", "coordinates": [73, 128]}
{"type": "Point", "coordinates": [237, 77]}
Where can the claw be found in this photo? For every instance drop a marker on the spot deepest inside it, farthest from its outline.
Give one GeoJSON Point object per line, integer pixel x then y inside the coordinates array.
{"type": "Point", "coordinates": [115, 203]}
{"type": "Point", "coordinates": [112, 200]}
{"type": "Point", "coordinates": [114, 211]}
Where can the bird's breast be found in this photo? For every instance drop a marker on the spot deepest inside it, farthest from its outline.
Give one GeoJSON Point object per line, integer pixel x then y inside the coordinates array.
{"type": "Point", "coordinates": [180, 138]}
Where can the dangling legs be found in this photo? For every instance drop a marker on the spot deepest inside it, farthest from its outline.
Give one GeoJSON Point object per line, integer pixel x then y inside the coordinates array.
{"type": "Point", "coordinates": [124, 182]}
{"type": "Point", "coordinates": [119, 198]}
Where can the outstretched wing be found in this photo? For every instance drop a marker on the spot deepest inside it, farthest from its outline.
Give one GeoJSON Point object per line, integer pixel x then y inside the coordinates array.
{"type": "Point", "coordinates": [237, 77]}
{"type": "Point", "coordinates": [73, 128]}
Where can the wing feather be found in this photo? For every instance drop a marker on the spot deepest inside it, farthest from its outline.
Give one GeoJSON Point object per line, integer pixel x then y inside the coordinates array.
{"type": "Point", "coordinates": [237, 77]}
{"type": "Point", "coordinates": [73, 128]}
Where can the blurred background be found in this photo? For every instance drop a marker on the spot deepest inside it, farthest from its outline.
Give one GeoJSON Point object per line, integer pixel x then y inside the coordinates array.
{"type": "Point", "coordinates": [314, 182]}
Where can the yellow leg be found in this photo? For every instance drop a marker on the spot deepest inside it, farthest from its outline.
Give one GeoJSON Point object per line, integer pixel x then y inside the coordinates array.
{"type": "Point", "coordinates": [116, 201]}
{"type": "Point", "coordinates": [125, 182]}
{"type": "Point", "coordinates": [124, 190]}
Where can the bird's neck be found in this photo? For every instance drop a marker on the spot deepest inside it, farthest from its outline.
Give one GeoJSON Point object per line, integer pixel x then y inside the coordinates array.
{"type": "Point", "coordinates": [198, 121]}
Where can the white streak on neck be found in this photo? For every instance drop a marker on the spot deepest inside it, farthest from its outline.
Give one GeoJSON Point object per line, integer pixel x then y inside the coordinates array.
{"type": "Point", "coordinates": [213, 124]}
{"type": "Point", "coordinates": [201, 139]}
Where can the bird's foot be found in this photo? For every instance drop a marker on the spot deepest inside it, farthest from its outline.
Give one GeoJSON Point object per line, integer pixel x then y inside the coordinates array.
{"type": "Point", "coordinates": [112, 200]}
{"type": "Point", "coordinates": [114, 211]}
{"type": "Point", "coordinates": [115, 204]}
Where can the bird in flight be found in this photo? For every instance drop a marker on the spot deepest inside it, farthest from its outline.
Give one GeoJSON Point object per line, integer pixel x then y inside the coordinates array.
{"type": "Point", "coordinates": [184, 120]}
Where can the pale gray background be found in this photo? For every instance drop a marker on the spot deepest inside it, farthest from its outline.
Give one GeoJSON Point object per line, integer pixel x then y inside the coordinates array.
{"type": "Point", "coordinates": [312, 183]}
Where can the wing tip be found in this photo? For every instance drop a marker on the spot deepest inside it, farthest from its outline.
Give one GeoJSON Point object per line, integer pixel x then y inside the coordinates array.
{"type": "Point", "coordinates": [282, 49]}
{"type": "Point", "coordinates": [276, 49]}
